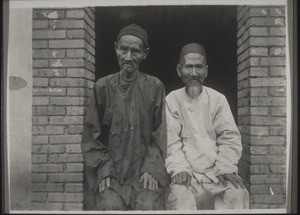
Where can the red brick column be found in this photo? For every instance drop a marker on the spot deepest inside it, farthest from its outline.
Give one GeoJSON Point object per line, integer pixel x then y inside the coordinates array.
{"type": "Point", "coordinates": [63, 76]}
{"type": "Point", "coordinates": [262, 103]}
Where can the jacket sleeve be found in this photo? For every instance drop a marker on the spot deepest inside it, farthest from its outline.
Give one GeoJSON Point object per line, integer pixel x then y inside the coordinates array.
{"type": "Point", "coordinates": [176, 161]}
{"type": "Point", "coordinates": [98, 163]}
{"type": "Point", "coordinates": [154, 162]}
{"type": "Point", "coordinates": [228, 139]}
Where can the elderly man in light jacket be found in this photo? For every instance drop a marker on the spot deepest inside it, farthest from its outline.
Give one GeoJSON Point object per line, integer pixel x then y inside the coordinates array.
{"type": "Point", "coordinates": [204, 143]}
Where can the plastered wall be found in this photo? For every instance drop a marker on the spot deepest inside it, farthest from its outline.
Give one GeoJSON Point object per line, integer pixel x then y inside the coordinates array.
{"type": "Point", "coordinates": [19, 111]}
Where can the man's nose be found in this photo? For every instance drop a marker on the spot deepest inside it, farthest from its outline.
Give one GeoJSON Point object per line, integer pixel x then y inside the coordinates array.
{"type": "Point", "coordinates": [194, 71]}
{"type": "Point", "coordinates": [128, 55]}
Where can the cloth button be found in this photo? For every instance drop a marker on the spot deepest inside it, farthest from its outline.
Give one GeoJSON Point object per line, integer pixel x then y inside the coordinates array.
{"type": "Point", "coordinates": [131, 127]}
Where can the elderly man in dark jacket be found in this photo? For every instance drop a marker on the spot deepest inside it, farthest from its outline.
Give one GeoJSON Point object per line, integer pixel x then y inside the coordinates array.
{"type": "Point", "coordinates": [124, 136]}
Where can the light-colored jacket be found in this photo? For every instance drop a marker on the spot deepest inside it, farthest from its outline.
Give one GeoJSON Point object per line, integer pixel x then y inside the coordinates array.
{"type": "Point", "coordinates": [202, 135]}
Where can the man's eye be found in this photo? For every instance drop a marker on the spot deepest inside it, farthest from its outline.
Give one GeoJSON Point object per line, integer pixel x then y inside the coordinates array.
{"type": "Point", "coordinates": [188, 66]}
{"type": "Point", "coordinates": [135, 51]}
{"type": "Point", "coordinates": [123, 49]}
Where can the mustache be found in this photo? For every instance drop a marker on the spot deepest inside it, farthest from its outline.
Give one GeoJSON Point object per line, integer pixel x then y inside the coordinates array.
{"type": "Point", "coordinates": [127, 63]}
{"type": "Point", "coordinates": [198, 79]}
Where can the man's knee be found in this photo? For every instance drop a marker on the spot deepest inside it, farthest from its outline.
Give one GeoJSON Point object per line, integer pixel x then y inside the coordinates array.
{"type": "Point", "coordinates": [181, 198]}
{"type": "Point", "coordinates": [180, 190]}
{"type": "Point", "coordinates": [236, 193]}
{"type": "Point", "coordinates": [149, 200]}
{"type": "Point", "coordinates": [237, 197]}
{"type": "Point", "coordinates": [110, 200]}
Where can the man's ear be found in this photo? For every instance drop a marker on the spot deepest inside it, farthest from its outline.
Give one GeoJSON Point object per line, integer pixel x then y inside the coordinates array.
{"type": "Point", "coordinates": [146, 52]}
{"type": "Point", "coordinates": [178, 68]}
{"type": "Point", "coordinates": [116, 45]}
{"type": "Point", "coordinates": [206, 70]}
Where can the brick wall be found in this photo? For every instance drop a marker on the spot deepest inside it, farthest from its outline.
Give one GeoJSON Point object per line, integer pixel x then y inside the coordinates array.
{"type": "Point", "coordinates": [262, 103]}
{"type": "Point", "coordinates": [63, 76]}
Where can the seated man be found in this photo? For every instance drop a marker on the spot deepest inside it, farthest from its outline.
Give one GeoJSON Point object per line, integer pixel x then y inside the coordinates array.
{"type": "Point", "coordinates": [204, 143]}
{"type": "Point", "coordinates": [124, 136]}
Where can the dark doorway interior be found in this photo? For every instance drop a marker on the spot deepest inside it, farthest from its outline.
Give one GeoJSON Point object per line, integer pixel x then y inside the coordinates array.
{"type": "Point", "coordinates": [169, 28]}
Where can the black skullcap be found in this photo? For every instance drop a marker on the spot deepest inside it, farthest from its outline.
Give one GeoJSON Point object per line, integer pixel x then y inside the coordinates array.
{"type": "Point", "coordinates": [134, 30]}
{"type": "Point", "coordinates": [192, 48]}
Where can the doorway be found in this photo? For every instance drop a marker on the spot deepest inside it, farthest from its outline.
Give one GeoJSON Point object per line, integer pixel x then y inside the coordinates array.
{"type": "Point", "coordinates": [169, 28]}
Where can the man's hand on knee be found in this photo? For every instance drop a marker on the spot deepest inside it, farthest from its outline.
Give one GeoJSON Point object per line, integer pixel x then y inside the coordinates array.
{"type": "Point", "coordinates": [150, 181]}
{"type": "Point", "coordinates": [233, 178]}
{"type": "Point", "coordinates": [182, 178]}
{"type": "Point", "coordinates": [104, 183]}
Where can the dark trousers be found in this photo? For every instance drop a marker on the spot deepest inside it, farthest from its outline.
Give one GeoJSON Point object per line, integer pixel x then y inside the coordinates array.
{"type": "Point", "coordinates": [125, 197]}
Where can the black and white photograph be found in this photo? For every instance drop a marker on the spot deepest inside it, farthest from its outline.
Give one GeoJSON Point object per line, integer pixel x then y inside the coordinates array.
{"type": "Point", "coordinates": [134, 107]}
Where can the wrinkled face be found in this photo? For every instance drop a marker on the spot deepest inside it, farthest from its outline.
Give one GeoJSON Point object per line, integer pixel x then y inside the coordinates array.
{"type": "Point", "coordinates": [192, 69]}
{"type": "Point", "coordinates": [130, 52]}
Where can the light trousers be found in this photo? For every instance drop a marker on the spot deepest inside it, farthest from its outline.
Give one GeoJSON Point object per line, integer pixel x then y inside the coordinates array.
{"type": "Point", "coordinates": [205, 196]}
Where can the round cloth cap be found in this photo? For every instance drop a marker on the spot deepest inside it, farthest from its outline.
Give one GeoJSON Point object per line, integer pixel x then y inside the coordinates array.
{"type": "Point", "coordinates": [192, 48]}
{"type": "Point", "coordinates": [134, 30]}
